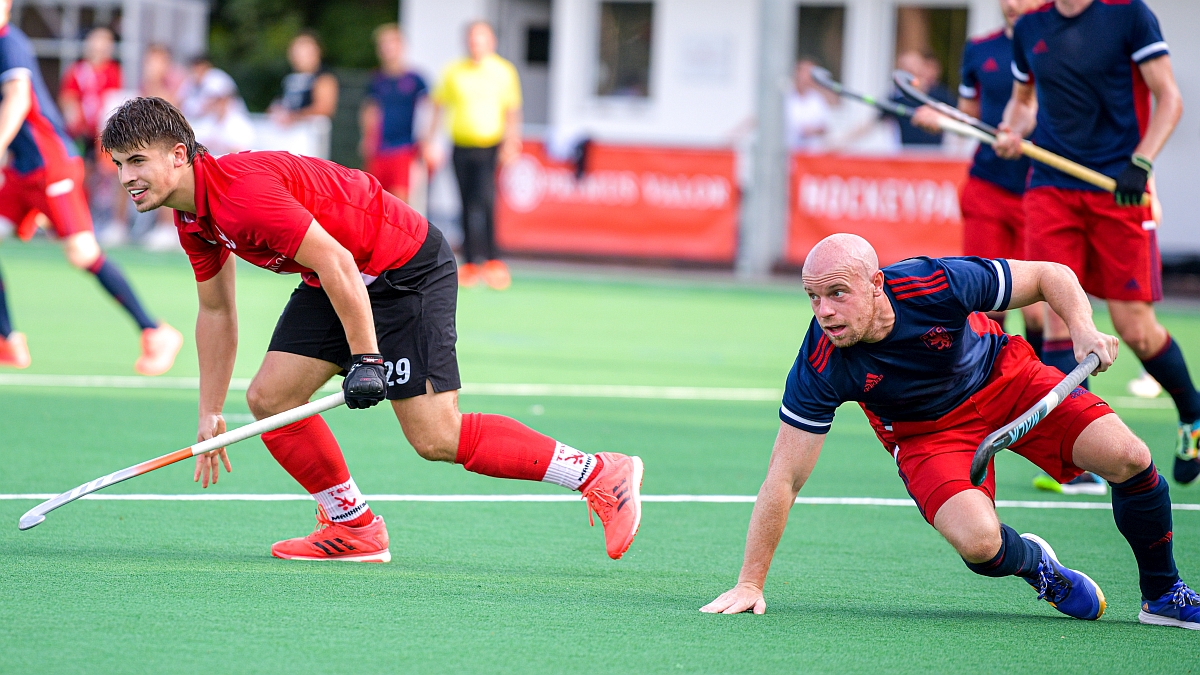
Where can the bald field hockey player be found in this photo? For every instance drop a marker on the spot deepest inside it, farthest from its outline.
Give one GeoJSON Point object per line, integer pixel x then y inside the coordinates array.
{"type": "Point", "coordinates": [376, 303]}
{"type": "Point", "coordinates": [911, 345]}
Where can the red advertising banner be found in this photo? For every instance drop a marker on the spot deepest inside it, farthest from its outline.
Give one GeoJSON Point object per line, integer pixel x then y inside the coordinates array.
{"type": "Point", "coordinates": [663, 203]}
{"type": "Point", "coordinates": [904, 206]}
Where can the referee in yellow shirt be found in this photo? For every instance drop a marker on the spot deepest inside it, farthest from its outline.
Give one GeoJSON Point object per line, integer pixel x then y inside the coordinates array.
{"type": "Point", "coordinates": [483, 94]}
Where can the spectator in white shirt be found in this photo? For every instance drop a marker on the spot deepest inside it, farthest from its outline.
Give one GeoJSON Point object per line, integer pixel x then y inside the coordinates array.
{"type": "Point", "coordinates": [807, 112]}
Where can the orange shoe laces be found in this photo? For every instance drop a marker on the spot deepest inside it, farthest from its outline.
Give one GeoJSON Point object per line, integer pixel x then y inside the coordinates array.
{"type": "Point", "coordinates": [598, 500]}
{"type": "Point", "coordinates": [323, 519]}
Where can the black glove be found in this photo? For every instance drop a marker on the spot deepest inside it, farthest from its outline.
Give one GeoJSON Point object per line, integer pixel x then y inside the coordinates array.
{"type": "Point", "coordinates": [366, 383]}
{"type": "Point", "coordinates": [1131, 182]}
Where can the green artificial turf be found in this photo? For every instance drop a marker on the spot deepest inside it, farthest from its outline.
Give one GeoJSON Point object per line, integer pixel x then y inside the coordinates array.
{"type": "Point", "coordinates": [157, 587]}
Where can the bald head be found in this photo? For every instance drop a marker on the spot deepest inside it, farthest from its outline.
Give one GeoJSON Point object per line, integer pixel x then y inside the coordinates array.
{"type": "Point", "coordinates": [842, 252]}
{"type": "Point", "coordinates": [845, 286]}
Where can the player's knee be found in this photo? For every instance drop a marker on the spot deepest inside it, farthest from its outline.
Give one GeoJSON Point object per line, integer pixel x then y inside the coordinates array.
{"type": "Point", "coordinates": [80, 254]}
{"type": "Point", "coordinates": [263, 402]}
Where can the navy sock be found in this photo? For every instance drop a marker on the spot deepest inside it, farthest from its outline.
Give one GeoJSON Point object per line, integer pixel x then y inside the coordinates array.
{"type": "Point", "coordinates": [1061, 355]}
{"type": "Point", "coordinates": [110, 277]}
{"type": "Point", "coordinates": [1017, 557]}
{"type": "Point", "coordinates": [1034, 338]}
{"type": "Point", "coordinates": [1171, 371]}
{"type": "Point", "coordinates": [1142, 509]}
{"type": "Point", "coordinates": [5, 322]}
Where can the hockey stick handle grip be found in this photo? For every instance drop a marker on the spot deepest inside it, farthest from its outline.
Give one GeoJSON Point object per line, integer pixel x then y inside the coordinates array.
{"type": "Point", "coordinates": [1013, 431]}
{"type": "Point", "coordinates": [269, 423]}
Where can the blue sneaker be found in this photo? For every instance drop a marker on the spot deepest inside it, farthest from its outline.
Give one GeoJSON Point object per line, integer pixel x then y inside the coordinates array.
{"type": "Point", "coordinates": [1179, 606]}
{"type": "Point", "coordinates": [1070, 592]}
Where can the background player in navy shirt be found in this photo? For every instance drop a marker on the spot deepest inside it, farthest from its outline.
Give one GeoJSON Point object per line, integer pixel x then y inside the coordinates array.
{"type": "Point", "coordinates": [935, 376]}
{"type": "Point", "coordinates": [43, 174]}
{"type": "Point", "coordinates": [389, 113]}
{"type": "Point", "coordinates": [1086, 71]}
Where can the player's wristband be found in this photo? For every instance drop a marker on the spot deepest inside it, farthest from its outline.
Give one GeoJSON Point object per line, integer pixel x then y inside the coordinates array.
{"type": "Point", "coordinates": [1143, 162]}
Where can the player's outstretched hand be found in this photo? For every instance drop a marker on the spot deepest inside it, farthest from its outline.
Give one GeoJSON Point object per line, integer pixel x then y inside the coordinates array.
{"type": "Point", "coordinates": [1008, 144]}
{"type": "Point", "coordinates": [208, 465]}
{"type": "Point", "coordinates": [1094, 342]}
{"type": "Point", "coordinates": [927, 118]}
{"type": "Point", "coordinates": [740, 598]}
{"type": "Point", "coordinates": [366, 383]}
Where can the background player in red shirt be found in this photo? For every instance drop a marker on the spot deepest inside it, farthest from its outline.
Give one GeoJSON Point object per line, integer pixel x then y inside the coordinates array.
{"type": "Point", "coordinates": [377, 303]}
{"type": "Point", "coordinates": [43, 174]}
{"type": "Point", "coordinates": [1086, 73]}
{"type": "Point", "coordinates": [934, 377]}
{"type": "Point", "coordinates": [86, 84]}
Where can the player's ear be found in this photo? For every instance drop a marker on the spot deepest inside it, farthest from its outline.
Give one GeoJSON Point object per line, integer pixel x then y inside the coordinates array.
{"type": "Point", "coordinates": [877, 282]}
{"type": "Point", "coordinates": [179, 155]}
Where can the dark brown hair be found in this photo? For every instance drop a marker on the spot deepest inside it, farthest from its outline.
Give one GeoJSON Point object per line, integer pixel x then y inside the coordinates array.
{"type": "Point", "coordinates": [142, 122]}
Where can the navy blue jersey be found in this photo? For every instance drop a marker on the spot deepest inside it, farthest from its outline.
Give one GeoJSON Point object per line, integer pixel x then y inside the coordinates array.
{"type": "Point", "coordinates": [397, 98]}
{"type": "Point", "coordinates": [1093, 105]}
{"type": "Point", "coordinates": [43, 136]}
{"type": "Point", "coordinates": [987, 77]}
{"type": "Point", "coordinates": [933, 360]}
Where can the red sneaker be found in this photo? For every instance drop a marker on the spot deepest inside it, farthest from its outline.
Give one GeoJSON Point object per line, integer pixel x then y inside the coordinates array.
{"type": "Point", "coordinates": [333, 541]}
{"type": "Point", "coordinates": [14, 353]}
{"type": "Point", "coordinates": [616, 496]}
{"type": "Point", "coordinates": [468, 275]}
{"type": "Point", "coordinates": [495, 275]}
{"type": "Point", "coordinates": [159, 347]}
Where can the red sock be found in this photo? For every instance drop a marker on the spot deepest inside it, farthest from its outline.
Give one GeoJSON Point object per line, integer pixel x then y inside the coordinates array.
{"type": "Point", "coordinates": [308, 451]}
{"type": "Point", "coordinates": [501, 447]}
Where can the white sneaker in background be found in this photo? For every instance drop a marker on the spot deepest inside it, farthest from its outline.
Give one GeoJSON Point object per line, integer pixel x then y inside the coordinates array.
{"type": "Point", "coordinates": [1144, 386]}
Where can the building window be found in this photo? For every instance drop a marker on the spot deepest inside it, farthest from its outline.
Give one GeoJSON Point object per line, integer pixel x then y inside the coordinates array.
{"type": "Point", "coordinates": [939, 34]}
{"type": "Point", "coordinates": [624, 67]}
{"type": "Point", "coordinates": [819, 33]}
{"type": "Point", "coordinates": [537, 45]}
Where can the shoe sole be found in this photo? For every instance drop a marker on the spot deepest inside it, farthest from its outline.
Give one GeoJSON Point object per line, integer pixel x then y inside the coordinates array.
{"type": "Point", "coordinates": [1156, 620]}
{"type": "Point", "coordinates": [1047, 484]}
{"type": "Point", "coordinates": [1050, 552]}
{"type": "Point", "coordinates": [381, 557]}
{"type": "Point", "coordinates": [638, 472]}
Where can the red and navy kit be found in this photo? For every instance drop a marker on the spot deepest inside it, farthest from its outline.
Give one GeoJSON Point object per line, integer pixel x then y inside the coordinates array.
{"type": "Point", "coordinates": [42, 141]}
{"type": "Point", "coordinates": [397, 98]}
{"type": "Point", "coordinates": [987, 77]}
{"type": "Point", "coordinates": [944, 378]}
{"type": "Point", "coordinates": [45, 173]}
{"type": "Point", "coordinates": [259, 206]}
{"type": "Point", "coordinates": [1093, 105]}
{"type": "Point", "coordinates": [932, 360]}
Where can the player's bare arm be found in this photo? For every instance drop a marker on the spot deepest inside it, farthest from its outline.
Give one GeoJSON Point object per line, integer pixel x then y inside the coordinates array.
{"type": "Point", "coordinates": [14, 108]}
{"type": "Point", "coordinates": [1168, 105]}
{"type": "Point", "coordinates": [216, 348]}
{"type": "Point", "coordinates": [1020, 118]}
{"type": "Point", "coordinates": [1057, 285]}
{"type": "Point", "coordinates": [792, 461]}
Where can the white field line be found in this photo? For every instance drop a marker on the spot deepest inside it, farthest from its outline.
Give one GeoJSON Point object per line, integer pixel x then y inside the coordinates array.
{"type": "Point", "coordinates": [673, 499]}
{"type": "Point", "coordinates": [482, 389]}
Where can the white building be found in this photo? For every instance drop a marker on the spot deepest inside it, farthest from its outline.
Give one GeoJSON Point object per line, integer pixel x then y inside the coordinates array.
{"type": "Point", "coordinates": [697, 72]}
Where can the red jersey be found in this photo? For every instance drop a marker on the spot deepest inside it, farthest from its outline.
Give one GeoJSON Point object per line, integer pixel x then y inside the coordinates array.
{"type": "Point", "coordinates": [259, 206]}
{"type": "Point", "coordinates": [89, 85]}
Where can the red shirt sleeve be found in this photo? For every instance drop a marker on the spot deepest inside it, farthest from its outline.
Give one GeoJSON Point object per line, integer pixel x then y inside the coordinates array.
{"type": "Point", "coordinates": [207, 259]}
{"type": "Point", "coordinates": [70, 82]}
{"type": "Point", "coordinates": [259, 207]}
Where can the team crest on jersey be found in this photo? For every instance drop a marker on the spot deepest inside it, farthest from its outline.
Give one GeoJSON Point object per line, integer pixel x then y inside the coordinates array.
{"type": "Point", "coordinates": [1040, 47]}
{"type": "Point", "coordinates": [938, 339]}
{"type": "Point", "coordinates": [990, 66]}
